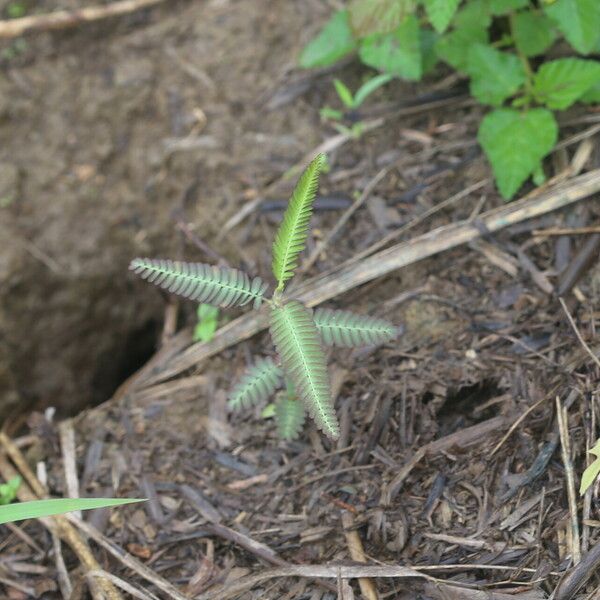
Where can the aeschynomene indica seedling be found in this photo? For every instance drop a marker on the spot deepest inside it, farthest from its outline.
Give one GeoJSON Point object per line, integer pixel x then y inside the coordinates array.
{"type": "Point", "coordinates": [298, 333]}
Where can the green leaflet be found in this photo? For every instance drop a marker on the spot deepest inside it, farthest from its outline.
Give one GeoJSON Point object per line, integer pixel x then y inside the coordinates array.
{"type": "Point", "coordinates": [204, 283]}
{"type": "Point", "coordinates": [533, 32]}
{"type": "Point", "coordinates": [333, 42]}
{"type": "Point", "coordinates": [559, 83]}
{"type": "Point", "coordinates": [343, 328]}
{"type": "Point", "coordinates": [578, 20]}
{"type": "Point", "coordinates": [257, 384]}
{"type": "Point", "coordinates": [503, 7]}
{"type": "Point", "coordinates": [298, 343]}
{"type": "Point", "coordinates": [291, 235]}
{"type": "Point", "coordinates": [440, 12]}
{"type": "Point", "coordinates": [515, 143]}
{"type": "Point", "coordinates": [398, 52]}
{"type": "Point", "coordinates": [591, 472]}
{"type": "Point", "coordinates": [495, 75]}
{"type": "Point", "coordinates": [8, 490]}
{"type": "Point", "coordinates": [45, 508]}
{"type": "Point", "coordinates": [289, 416]}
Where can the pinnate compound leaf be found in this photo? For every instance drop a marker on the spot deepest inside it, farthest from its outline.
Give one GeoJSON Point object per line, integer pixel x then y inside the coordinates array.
{"type": "Point", "coordinates": [494, 75]}
{"type": "Point", "coordinates": [289, 416]}
{"type": "Point", "coordinates": [298, 344]}
{"type": "Point", "coordinates": [515, 143]}
{"type": "Point", "coordinates": [291, 235]}
{"type": "Point", "coordinates": [578, 20]}
{"type": "Point", "coordinates": [369, 17]}
{"type": "Point", "coordinates": [257, 384]}
{"type": "Point", "coordinates": [440, 13]}
{"type": "Point", "coordinates": [559, 83]}
{"type": "Point", "coordinates": [46, 508]}
{"type": "Point", "coordinates": [534, 32]}
{"type": "Point", "coordinates": [346, 329]}
{"type": "Point", "coordinates": [208, 284]}
{"type": "Point", "coordinates": [398, 52]}
{"type": "Point", "coordinates": [333, 42]}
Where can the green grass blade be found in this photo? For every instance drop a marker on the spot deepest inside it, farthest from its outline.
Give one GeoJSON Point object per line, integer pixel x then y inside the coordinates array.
{"type": "Point", "coordinates": [291, 235]}
{"type": "Point", "coordinates": [46, 508]}
{"type": "Point", "coordinates": [299, 345]}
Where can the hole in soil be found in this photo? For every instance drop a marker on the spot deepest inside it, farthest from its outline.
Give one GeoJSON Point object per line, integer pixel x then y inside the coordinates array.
{"type": "Point", "coordinates": [461, 407]}
{"type": "Point", "coordinates": [127, 356]}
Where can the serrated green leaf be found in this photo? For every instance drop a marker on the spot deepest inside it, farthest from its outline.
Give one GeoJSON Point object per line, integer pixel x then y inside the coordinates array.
{"type": "Point", "coordinates": [398, 52]}
{"type": "Point", "coordinates": [533, 32]}
{"type": "Point", "coordinates": [257, 384]}
{"type": "Point", "coordinates": [503, 7]}
{"type": "Point", "coordinates": [291, 235]}
{"type": "Point", "coordinates": [578, 20]}
{"type": "Point", "coordinates": [298, 344]}
{"type": "Point", "coordinates": [333, 42]}
{"type": "Point", "coordinates": [368, 17]}
{"type": "Point", "coordinates": [515, 143]}
{"type": "Point", "coordinates": [471, 27]}
{"type": "Point", "coordinates": [46, 508]}
{"type": "Point", "coordinates": [440, 13]}
{"type": "Point", "coordinates": [589, 476]}
{"type": "Point", "coordinates": [494, 75]}
{"type": "Point", "coordinates": [559, 83]}
{"type": "Point", "coordinates": [344, 93]}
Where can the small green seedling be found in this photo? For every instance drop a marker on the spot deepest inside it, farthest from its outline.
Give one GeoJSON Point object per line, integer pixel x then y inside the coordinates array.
{"type": "Point", "coordinates": [352, 102]}
{"type": "Point", "coordinates": [8, 490]}
{"type": "Point", "coordinates": [592, 471]}
{"type": "Point", "coordinates": [297, 332]}
{"type": "Point", "coordinates": [208, 320]}
{"type": "Point", "coordinates": [38, 509]}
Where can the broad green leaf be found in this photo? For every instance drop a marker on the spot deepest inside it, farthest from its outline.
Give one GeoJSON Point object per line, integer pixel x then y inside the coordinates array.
{"type": "Point", "coordinates": [298, 344]}
{"type": "Point", "coordinates": [291, 235]}
{"type": "Point", "coordinates": [45, 508]}
{"type": "Point", "coordinates": [369, 17]}
{"type": "Point", "coordinates": [592, 96]}
{"type": "Point", "coordinates": [503, 7]}
{"type": "Point", "coordinates": [208, 319]}
{"type": "Point", "coordinates": [589, 476]}
{"type": "Point", "coordinates": [494, 75]}
{"type": "Point", "coordinates": [534, 32]}
{"type": "Point", "coordinates": [367, 88]}
{"type": "Point", "coordinates": [578, 20]}
{"type": "Point", "coordinates": [559, 83]}
{"type": "Point", "coordinates": [344, 93]}
{"type": "Point", "coordinates": [398, 52]}
{"type": "Point", "coordinates": [429, 56]}
{"type": "Point", "coordinates": [515, 143]}
{"type": "Point", "coordinates": [333, 42]}
{"type": "Point", "coordinates": [440, 13]}
{"type": "Point", "coordinates": [471, 27]}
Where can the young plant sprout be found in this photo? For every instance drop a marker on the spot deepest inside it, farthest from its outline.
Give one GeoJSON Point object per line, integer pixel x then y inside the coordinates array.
{"type": "Point", "coordinates": [297, 332]}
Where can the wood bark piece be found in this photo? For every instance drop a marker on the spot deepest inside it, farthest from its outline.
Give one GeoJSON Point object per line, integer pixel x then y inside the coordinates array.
{"type": "Point", "coordinates": [446, 237]}
{"type": "Point", "coordinates": [63, 19]}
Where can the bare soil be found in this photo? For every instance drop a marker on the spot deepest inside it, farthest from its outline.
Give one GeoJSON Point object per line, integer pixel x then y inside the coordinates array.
{"type": "Point", "coordinates": [144, 136]}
